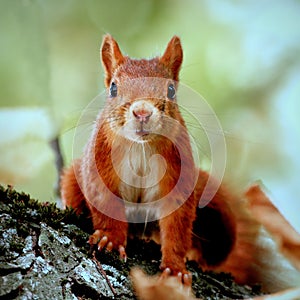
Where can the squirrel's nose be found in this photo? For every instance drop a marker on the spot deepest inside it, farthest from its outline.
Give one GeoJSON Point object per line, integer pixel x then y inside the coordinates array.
{"type": "Point", "coordinates": [142, 115]}
{"type": "Point", "coordinates": [142, 110]}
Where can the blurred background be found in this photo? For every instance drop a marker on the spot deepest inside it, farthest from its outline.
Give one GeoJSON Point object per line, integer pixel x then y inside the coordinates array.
{"type": "Point", "coordinates": [243, 57]}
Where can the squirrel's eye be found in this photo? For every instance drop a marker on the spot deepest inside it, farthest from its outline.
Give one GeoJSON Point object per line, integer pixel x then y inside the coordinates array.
{"type": "Point", "coordinates": [113, 90]}
{"type": "Point", "coordinates": [171, 91]}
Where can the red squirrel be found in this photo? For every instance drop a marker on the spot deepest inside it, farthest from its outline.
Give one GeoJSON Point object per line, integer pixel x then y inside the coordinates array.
{"type": "Point", "coordinates": [138, 166]}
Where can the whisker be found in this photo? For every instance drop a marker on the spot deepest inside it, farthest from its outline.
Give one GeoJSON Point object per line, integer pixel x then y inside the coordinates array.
{"type": "Point", "coordinates": [199, 237]}
{"type": "Point", "coordinates": [195, 110]}
{"type": "Point", "coordinates": [207, 129]}
{"type": "Point", "coordinates": [77, 126]}
{"type": "Point", "coordinates": [145, 224]}
{"type": "Point", "coordinates": [227, 134]}
{"type": "Point", "coordinates": [201, 148]}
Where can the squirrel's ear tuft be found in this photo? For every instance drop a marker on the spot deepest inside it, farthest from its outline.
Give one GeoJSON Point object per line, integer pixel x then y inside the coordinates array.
{"type": "Point", "coordinates": [173, 55]}
{"type": "Point", "coordinates": [111, 57]}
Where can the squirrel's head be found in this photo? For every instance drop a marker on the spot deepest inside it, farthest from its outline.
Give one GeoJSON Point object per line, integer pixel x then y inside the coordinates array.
{"type": "Point", "coordinates": [141, 94]}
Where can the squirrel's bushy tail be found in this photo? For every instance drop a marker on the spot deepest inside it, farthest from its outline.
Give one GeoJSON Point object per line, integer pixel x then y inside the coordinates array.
{"type": "Point", "coordinates": [246, 248]}
{"type": "Point", "coordinates": [71, 193]}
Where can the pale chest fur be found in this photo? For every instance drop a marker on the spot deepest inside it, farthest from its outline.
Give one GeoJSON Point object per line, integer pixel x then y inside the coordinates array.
{"type": "Point", "coordinates": [140, 171]}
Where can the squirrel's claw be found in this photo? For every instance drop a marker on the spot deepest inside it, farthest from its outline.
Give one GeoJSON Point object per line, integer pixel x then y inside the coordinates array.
{"type": "Point", "coordinates": [166, 273]}
{"type": "Point", "coordinates": [183, 277]}
{"type": "Point", "coordinates": [122, 252]}
{"type": "Point", "coordinates": [102, 241]}
{"type": "Point", "coordinates": [109, 246]}
{"type": "Point", "coordinates": [186, 279]}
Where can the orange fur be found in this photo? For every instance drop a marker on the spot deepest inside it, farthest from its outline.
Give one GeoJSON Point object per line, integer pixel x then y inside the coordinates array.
{"type": "Point", "coordinates": [244, 230]}
{"type": "Point", "coordinates": [141, 109]}
{"type": "Point", "coordinates": [288, 239]}
{"type": "Point", "coordinates": [149, 288]}
{"type": "Point", "coordinates": [70, 191]}
{"type": "Point", "coordinates": [97, 175]}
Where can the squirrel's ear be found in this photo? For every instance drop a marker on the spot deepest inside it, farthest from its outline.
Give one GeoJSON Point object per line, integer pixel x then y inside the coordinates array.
{"type": "Point", "coordinates": [111, 57]}
{"type": "Point", "coordinates": [172, 57]}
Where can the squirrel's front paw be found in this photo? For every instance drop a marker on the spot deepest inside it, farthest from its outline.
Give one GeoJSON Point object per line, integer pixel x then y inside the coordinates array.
{"type": "Point", "coordinates": [109, 240]}
{"type": "Point", "coordinates": [180, 272]}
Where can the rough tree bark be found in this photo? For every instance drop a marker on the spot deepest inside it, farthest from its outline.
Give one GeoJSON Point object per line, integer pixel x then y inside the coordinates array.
{"type": "Point", "coordinates": [44, 255]}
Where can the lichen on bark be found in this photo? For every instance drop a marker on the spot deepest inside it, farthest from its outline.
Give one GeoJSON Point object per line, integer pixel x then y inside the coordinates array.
{"type": "Point", "coordinates": [44, 255]}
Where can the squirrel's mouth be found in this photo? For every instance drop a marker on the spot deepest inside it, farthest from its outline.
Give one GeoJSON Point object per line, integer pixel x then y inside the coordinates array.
{"type": "Point", "coordinates": [141, 131]}
{"type": "Point", "coordinates": [136, 133]}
